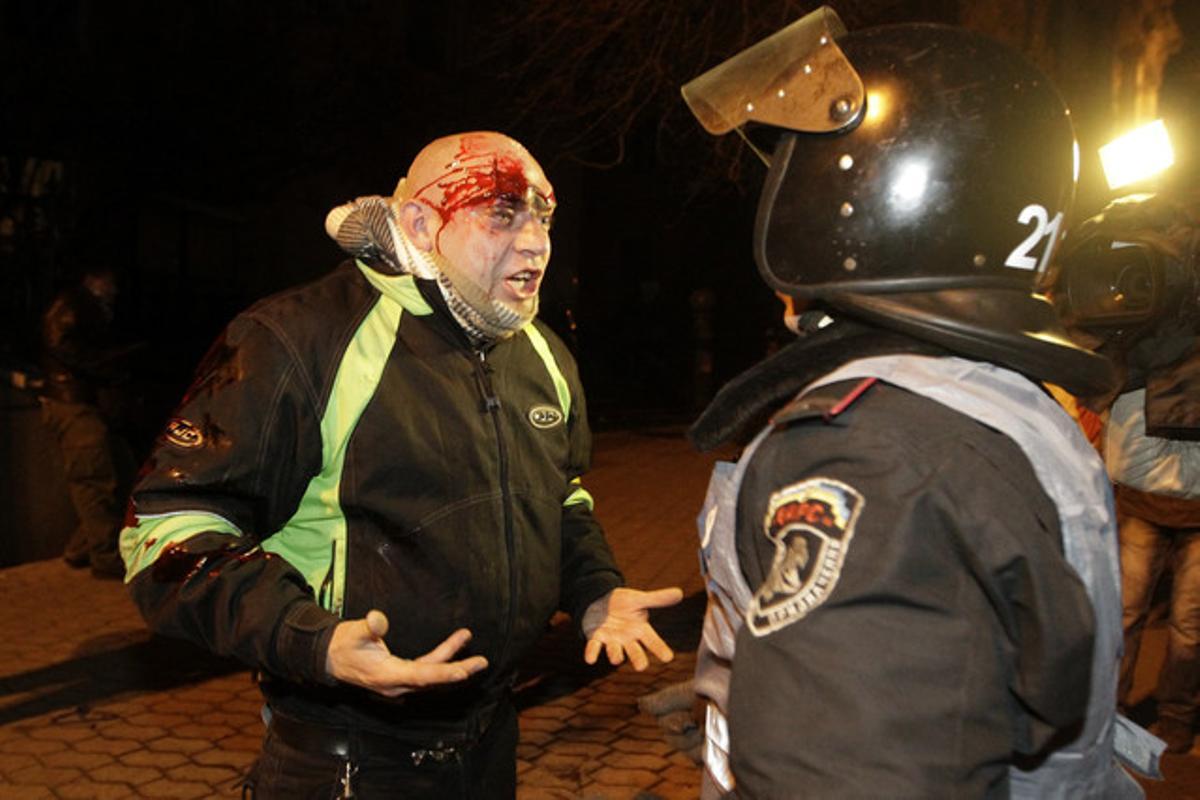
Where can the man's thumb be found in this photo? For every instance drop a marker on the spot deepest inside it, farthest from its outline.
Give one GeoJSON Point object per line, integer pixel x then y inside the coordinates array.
{"type": "Point", "coordinates": [377, 623]}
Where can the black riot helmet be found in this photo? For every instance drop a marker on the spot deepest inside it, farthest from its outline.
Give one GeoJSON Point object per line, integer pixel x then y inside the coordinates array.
{"type": "Point", "coordinates": [921, 180]}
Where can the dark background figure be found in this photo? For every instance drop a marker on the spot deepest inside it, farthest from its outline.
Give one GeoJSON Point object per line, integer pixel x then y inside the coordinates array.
{"type": "Point", "coordinates": [1131, 283]}
{"type": "Point", "coordinates": [86, 372]}
{"type": "Point", "coordinates": [1153, 456]}
{"type": "Point", "coordinates": [1160, 545]}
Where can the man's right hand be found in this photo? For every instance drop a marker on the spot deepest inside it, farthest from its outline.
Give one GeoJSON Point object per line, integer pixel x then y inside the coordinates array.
{"type": "Point", "coordinates": [358, 655]}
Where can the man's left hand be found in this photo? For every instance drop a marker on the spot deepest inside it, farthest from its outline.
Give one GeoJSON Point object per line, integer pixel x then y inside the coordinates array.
{"type": "Point", "coordinates": [619, 623]}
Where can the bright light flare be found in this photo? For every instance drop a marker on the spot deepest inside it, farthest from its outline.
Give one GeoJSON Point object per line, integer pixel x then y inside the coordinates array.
{"type": "Point", "coordinates": [908, 187]}
{"type": "Point", "coordinates": [877, 106]}
{"type": "Point", "coordinates": [1137, 155]}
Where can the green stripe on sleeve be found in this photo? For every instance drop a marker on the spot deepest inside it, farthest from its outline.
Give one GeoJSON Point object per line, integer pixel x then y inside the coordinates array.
{"type": "Point", "coordinates": [580, 495]}
{"type": "Point", "coordinates": [142, 544]}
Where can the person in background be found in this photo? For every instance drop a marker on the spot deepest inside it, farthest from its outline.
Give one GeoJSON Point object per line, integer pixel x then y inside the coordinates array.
{"type": "Point", "coordinates": [1129, 285]}
{"type": "Point", "coordinates": [372, 493]}
{"type": "Point", "coordinates": [1160, 531]}
{"type": "Point", "coordinates": [83, 365]}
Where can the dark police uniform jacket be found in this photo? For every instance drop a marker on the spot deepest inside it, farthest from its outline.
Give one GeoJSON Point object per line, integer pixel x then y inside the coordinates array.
{"type": "Point", "coordinates": [915, 623]}
{"type": "Point", "coordinates": [343, 448]}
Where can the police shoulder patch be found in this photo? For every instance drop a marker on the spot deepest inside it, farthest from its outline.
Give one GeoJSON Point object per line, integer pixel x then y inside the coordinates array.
{"type": "Point", "coordinates": [183, 433]}
{"type": "Point", "coordinates": [811, 524]}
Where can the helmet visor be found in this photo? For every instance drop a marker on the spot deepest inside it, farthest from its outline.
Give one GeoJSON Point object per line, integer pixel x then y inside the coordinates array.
{"type": "Point", "coordinates": [797, 79]}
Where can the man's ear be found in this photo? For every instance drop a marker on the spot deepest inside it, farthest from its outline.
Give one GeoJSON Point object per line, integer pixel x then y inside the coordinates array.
{"type": "Point", "coordinates": [416, 220]}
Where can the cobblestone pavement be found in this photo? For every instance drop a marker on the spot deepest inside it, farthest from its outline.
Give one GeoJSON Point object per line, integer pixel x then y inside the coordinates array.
{"type": "Point", "coordinates": [93, 706]}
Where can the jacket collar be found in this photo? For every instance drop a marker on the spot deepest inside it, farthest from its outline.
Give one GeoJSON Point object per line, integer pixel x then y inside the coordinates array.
{"type": "Point", "coordinates": [745, 403]}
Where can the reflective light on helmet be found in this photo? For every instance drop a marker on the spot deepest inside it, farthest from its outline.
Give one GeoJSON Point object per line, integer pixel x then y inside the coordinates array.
{"type": "Point", "coordinates": [877, 107]}
{"type": "Point", "coordinates": [909, 186]}
{"type": "Point", "coordinates": [1137, 155]}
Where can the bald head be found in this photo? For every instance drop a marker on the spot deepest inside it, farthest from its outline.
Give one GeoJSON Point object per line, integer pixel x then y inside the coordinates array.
{"type": "Point", "coordinates": [468, 169]}
{"type": "Point", "coordinates": [480, 207]}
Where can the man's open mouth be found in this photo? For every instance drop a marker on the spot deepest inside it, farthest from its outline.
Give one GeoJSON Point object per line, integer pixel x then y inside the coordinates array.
{"type": "Point", "coordinates": [526, 281]}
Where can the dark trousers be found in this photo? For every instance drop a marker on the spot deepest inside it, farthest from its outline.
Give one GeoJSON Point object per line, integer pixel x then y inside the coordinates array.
{"type": "Point", "coordinates": [94, 463]}
{"type": "Point", "coordinates": [295, 767]}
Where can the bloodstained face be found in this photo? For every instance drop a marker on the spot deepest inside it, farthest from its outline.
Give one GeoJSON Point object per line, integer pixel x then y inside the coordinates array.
{"type": "Point", "coordinates": [493, 206]}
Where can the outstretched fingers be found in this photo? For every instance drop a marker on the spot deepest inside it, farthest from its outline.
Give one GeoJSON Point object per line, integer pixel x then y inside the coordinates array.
{"type": "Point", "coordinates": [411, 676]}
{"type": "Point", "coordinates": [661, 598]}
{"type": "Point", "coordinates": [614, 650]}
{"type": "Point", "coordinates": [637, 656]}
{"type": "Point", "coordinates": [358, 655]}
{"type": "Point", "coordinates": [435, 667]}
{"type": "Point", "coordinates": [655, 644]}
{"type": "Point", "coordinates": [592, 651]}
{"type": "Point", "coordinates": [449, 646]}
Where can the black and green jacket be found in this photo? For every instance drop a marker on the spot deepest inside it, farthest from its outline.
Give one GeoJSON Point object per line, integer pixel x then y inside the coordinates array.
{"type": "Point", "coordinates": [344, 448]}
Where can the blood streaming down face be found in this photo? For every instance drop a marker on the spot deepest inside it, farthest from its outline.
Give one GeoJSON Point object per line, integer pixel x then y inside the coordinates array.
{"type": "Point", "coordinates": [491, 208]}
{"type": "Point", "coordinates": [458, 172]}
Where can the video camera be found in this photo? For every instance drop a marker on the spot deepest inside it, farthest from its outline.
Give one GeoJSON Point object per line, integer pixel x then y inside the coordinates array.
{"type": "Point", "coordinates": [1132, 270]}
{"type": "Point", "coordinates": [1129, 280]}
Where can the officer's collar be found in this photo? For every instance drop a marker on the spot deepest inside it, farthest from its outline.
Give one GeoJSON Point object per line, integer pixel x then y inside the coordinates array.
{"type": "Point", "coordinates": [745, 403]}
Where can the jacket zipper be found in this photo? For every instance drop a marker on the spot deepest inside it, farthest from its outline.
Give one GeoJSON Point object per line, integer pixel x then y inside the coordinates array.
{"type": "Point", "coordinates": [491, 406]}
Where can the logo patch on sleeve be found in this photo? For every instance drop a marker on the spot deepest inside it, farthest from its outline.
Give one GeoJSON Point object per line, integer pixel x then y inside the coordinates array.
{"type": "Point", "coordinates": [183, 433]}
{"type": "Point", "coordinates": [811, 524]}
